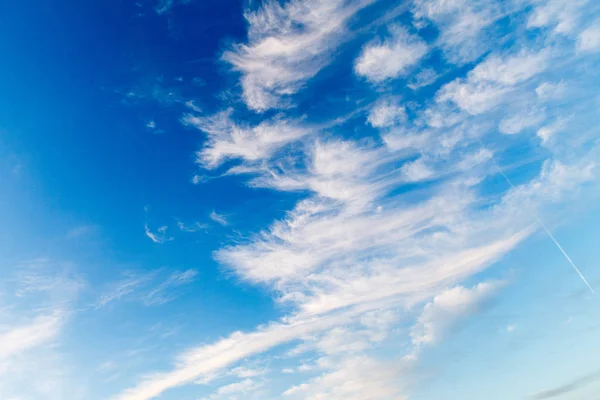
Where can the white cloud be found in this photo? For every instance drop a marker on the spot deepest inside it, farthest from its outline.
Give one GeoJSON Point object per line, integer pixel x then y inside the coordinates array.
{"type": "Point", "coordinates": [546, 132]}
{"type": "Point", "coordinates": [392, 57]}
{"type": "Point", "coordinates": [551, 90]}
{"type": "Point", "coordinates": [40, 330]}
{"type": "Point", "coordinates": [462, 25]}
{"type": "Point", "coordinates": [446, 308]}
{"type": "Point", "coordinates": [207, 359]}
{"type": "Point", "coordinates": [521, 121]}
{"type": "Point", "coordinates": [287, 45]}
{"type": "Point", "coordinates": [160, 236]}
{"type": "Point", "coordinates": [556, 182]}
{"type": "Point", "coordinates": [589, 39]}
{"type": "Point", "coordinates": [350, 249]}
{"type": "Point", "coordinates": [245, 372]}
{"type": "Point", "coordinates": [386, 112]}
{"type": "Point", "coordinates": [149, 288]}
{"type": "Point", "coordinates": [229, 140]}
{"type": "Point", "coordinates": [354, 378]}
{"type": "Point", "coordinates": [192, 106]}
{"type": "Point", "coordinates": [233, 391]}
{"type": "Point", "coordinates": [366, 245]}
{"type": "Point", "coordinates": [562, 16]}
{"type": "Point", "coordinates": [164, 6]}
{"type": "Point", "coordinates": [38, 302]}
{"type": "Point", "coordinates": [512, 69]}
{"type": "Point", "coordinates": [195, 227]}
{"type": "Point", "coordinates": [489, 82]}
{"type": "Point", "coordinates": [424, 78]}
{"type": "Point", "coordinates": [335, 169]}
{"type": "Point", "coordinates": [219, 218]}
{"type": "Point", "coordinates": [307, 257]}
{"type": "Point", "coordinates": [474, 97]}
{"type": "Point", "coordinates": [417, 171]}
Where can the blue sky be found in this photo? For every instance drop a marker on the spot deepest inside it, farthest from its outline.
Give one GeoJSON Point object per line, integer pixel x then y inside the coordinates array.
{"type": "Point", "coordinates": [303, 199]}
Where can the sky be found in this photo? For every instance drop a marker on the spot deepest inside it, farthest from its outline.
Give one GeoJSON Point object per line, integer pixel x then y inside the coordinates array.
{"type": "Point", "coordinates": [299, 199]}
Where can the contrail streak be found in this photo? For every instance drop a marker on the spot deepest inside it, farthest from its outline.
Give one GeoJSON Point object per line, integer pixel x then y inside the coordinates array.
{"type": "Point", "coordinates": [545, 228]}
{"type": "Point", "coordinates": [565, 254]}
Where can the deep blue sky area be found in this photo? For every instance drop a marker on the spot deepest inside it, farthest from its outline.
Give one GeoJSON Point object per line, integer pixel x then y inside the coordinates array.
{"type": "Point", "coordinates": [85, 156]}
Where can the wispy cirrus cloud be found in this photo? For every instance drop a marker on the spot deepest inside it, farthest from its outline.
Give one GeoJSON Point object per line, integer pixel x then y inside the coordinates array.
{"type": "Point", "coordinates": [219, 218]}
{"type": "Point", "coordinates": [228, 139]}
{"type": "Point", "coordinates": [159, 236]}
{"type": "Point", "coordinates": [287, 45]}
{"type": "Point", "coordinates": [149, 288]}
{"type": "Point", "coordinates": [42, 295]}
{"type": "Point", "coordinates": [463, 25]}
{"type": "Point", "coordinates": [387, 226]}
{"type": "Point", "coordinates": [40, 330]}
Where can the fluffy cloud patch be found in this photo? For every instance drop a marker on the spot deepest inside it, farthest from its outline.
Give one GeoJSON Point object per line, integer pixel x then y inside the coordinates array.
{"type": "Point", "coordinates": [392, 57]}
{"type": "Point", "coordinates": [446, 308]}
{"type": "Point", "coordinates": [589, 40]}
{"type": "Point", "coordinates": [387, 112]}
{"type": "Point", "coordinates": [490, 81]}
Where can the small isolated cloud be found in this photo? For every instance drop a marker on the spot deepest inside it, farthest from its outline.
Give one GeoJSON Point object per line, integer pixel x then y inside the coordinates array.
{"type": "Point", "coordinates": [551, 90]}
{"type": "Point", "coordinates": [198, 179]}
{"type": "Point", "coordinates": [392, 57]}
{"type": "Point", "coordinates": [151, 125]}
{"type": "Point", "coordinates": [546, 132]}
{"type": "Point", "coordinates": [80, 231]}
{"type": "Point", "coordinates": [191, 228]}
{"type": "Point", "coordinates": [159, 236]}
{"type": "Point", "coordinates": [245, 372]}
{"type": "Point", "coordinates": [589, 40]}
{"type": "Point", "coordinates": [192, 106]}
{"type": "Point", "coordinates": [219, 218]}
{"type": "Point", "coordinates": [417, 171]}
{"type": "Point", "coordinates": [165, 6]}
{"type": "Point", "coordinates": [424, 78]}
{"type": "Point", "coordinates": [386, 112]}
{"type": "Point", "coordinates": [511, 328]}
